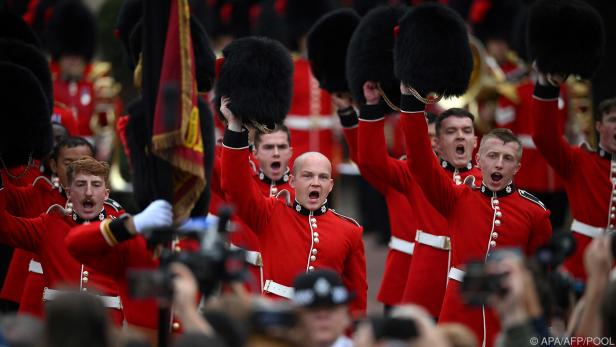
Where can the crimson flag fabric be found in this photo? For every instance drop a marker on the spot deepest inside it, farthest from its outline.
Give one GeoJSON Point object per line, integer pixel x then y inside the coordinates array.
{"type": "Point", "coordinates": [176, 135]}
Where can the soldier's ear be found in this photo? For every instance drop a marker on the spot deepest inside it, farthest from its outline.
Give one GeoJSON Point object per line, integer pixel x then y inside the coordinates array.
{"type": "Point", "coordinates": [53, 165]}
{"type": "Point", "coordinates": [292, 180]}
{"type": "Point", "coordinates": [477, 160]}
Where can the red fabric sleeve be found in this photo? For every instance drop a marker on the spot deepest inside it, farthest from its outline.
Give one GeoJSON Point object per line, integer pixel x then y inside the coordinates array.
{"type": "Point", "coordinates": [436, 185]}
{"type": "Point", "coordinates": [548, 138]}
{"type": "Point", "coordinates": [376, 166]}
{"type": "Point", "coordinates": [251, 206]}
{"type": "Point", "coordinates": [24, 233]}
{"type": "Point", "coordinates": [354, 276]}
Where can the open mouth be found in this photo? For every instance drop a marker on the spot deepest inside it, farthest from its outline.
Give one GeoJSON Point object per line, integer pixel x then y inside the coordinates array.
{"type": "Point", "coordinates": [496, 177]}
{"type": "Point", "coordinates": [460, 149]}
{"type": "Point", "coordinates": [88, 204]}
{"type": "Point", "coordinates": [314, 195]}
{"type": "Point", "coordinates": [276, 165]}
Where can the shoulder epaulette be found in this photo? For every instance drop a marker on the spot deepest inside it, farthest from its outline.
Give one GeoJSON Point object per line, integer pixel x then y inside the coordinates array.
{"type": "Point", "coordinates": [42, 179]}
{"type": "Point", "coordinates": [531, 197]}
{"type": "Point", "coordinates": [113, 204]}
{"type": "Point", "coordinates": [345, 217]}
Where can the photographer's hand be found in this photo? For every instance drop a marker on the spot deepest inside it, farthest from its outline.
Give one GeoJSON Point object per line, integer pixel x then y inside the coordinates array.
{"type": "Point", "coordinates": [158, 214]}
{"type": "Point", "coordinates": [185, 291]}
{"type": "Point", "coordinates": [511, 306]}
{"type": "Point", "coordinates": [598, 262]}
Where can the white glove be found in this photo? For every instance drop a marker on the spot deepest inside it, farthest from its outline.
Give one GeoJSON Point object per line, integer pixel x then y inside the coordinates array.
{"type": "Point", "coordinates": [157, 215]}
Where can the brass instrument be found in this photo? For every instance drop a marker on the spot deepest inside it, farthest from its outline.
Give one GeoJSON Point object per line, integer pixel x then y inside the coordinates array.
{"type": "Point", "coordinates": [487, 83]}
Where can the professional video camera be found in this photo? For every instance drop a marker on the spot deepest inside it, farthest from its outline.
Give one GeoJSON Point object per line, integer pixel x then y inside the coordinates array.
{"type": "Point", "coordinates": [212, 262]}
{"type": "Point", "coordinates": [480, 283]}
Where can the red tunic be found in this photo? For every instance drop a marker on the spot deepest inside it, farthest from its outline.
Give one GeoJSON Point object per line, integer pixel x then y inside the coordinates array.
{"type": "Point", "coordinates": [21, 285]}
{"type": "Point", "coordinates": [293, 240]}
{"type": "Point", "coordinates": [310, 118]}
{"type": "Point", "coordinates": [44, 236]}
{"type": "Point", "coordinates": [426, 276]}
{"type": "Point", "coordinates": [535, 174]}
{"type": "Point", "coordinates": [479, 220]}
{"type": "Point", "coordinates": [588, 176]}
{"type": "Point", "coordinates": [242, 236]}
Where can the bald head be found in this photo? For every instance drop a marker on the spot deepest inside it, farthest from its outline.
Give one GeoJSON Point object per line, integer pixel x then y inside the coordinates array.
{"type": "Point", "coordinates": [311, 157]}
{"type": "Point", "coordinates": [312, 179]}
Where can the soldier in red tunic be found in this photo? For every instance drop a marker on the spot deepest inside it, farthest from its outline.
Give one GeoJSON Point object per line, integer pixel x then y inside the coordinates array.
{"type": "Point", "coordinates": [425, 277]}
{"type": "Point", "coordinates": [45, 235]}
{"type": "Point", "coordinates": [296, 238]}
{"type": "Point", "coordinates": [273, 152]}
{"type": "Point", "coordinates": [25, 280]}
{"type": "Point", "coordinates": [588, 174]}
{"type": "Point", "coordinates": [480, 218]}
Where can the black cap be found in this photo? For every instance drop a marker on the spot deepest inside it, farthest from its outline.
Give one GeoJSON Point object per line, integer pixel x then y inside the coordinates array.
{"type": "Point", "coordinates": [13, 27]}
{"type": "Point", "coordinates": [320, 288]}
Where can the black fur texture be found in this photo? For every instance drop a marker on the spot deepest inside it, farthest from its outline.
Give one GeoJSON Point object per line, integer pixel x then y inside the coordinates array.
{"type": "Point", "coordinates": [13, 27]}
{"type": "Point", "coordinates": [432, 52]}
{"type": "Point", "coordinates": [130, 14]}
{"type": "Point", "coordinates": [327, 43]}
{"type": "Point", "coordinates": [71, 30]}
{"type": "Point", "coordinates": [257, 74]}
{"type": "Point", "coordinates": [370, 53]}
{"type": "Point", "coordinates": [565, 37]}
{"type": "Point", "coordinates": [31, 58]}
{"type": "Point", "coordinates": [26, 121]}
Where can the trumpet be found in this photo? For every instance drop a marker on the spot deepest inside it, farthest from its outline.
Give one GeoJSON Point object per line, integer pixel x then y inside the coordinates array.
{"type": "Point", "coordinates": [487, 83]}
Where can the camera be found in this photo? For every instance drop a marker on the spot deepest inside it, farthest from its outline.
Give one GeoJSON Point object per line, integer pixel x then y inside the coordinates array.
{"type": "Point", "coordinates": [394, 328]}
{"type": "Point", "coordinates": [212, 262]}
{"type": "Point", "coordinates": [480, 283]}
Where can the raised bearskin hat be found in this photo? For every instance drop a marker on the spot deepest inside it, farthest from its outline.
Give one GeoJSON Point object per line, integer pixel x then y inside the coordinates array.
{"type": "Point", "coordinates": [71, 30]}
{"type": "Point", "coordinates": [128, 17]}
{"type": "Point", "coordinates": [13, 27]}
{"type": "Point", "coordinates": [257, 74]}
{"type": "Point", "coordinates": [300, 16]}
{"type": "Point", "coordinates": [26, 125]}
{"type": "Point", "coordinates": [432, 52]}
{"type": "Point", "coordinates": [370, 53]}
{"type": "Point", "coordinates": [327, 43]}
{"type": "Point", "coordinates": [31, 58]}
{"type": "Point", "coordinates": [565, 37]}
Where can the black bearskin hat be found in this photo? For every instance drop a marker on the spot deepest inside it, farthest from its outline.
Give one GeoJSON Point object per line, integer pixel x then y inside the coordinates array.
{"type": "Point", "coordinates": [432, 52]}
{"type": "Point", "coordinates": [13, 27]}
{"type": "Point", "coordinates": [257, 74]}
{"type": "Point", "coordinates": [370, 53]}
{"type": "Point", "coordinates": [327, 43]}
{"type": "Point", "coordinates": [71, 30]}
{"type": "Point", "coordinates": [26, 128]}
{"type": "Point", "coordinates": [31, 58]}
{"type": "Point", "coordinates": [565, 37]}
{"type": "Point", "coordinates": [300, 16]}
